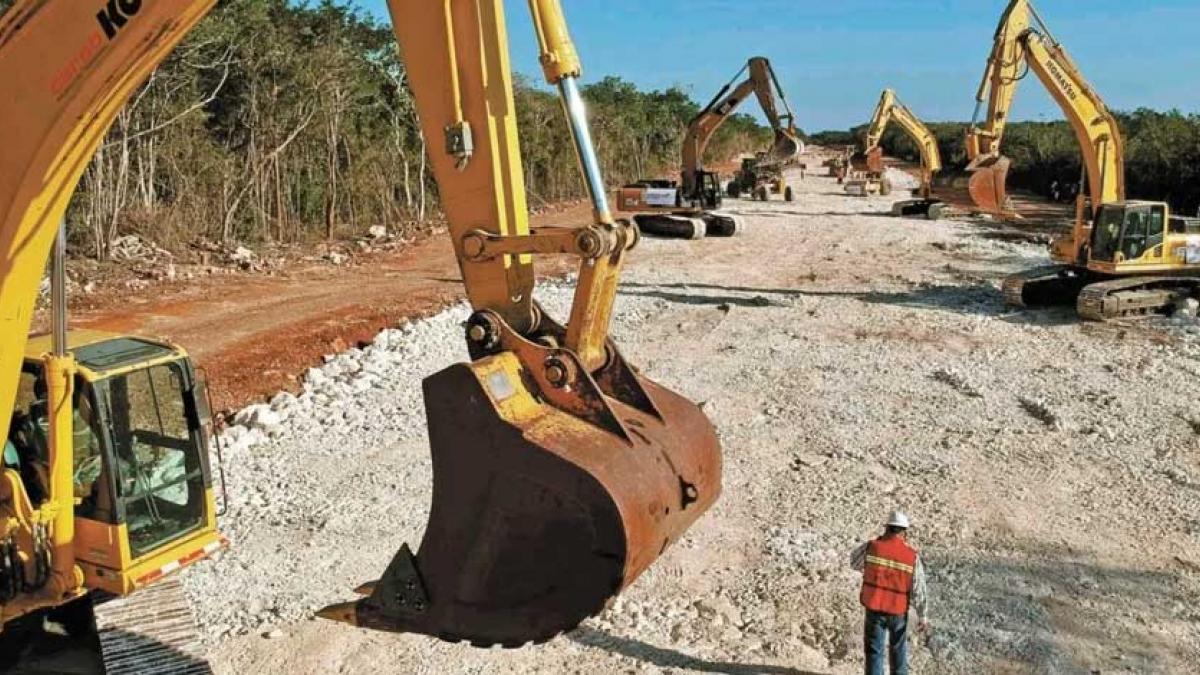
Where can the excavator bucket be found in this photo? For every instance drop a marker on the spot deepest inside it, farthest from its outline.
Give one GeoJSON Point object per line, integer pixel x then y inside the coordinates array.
{"type": "Point", "coordinates": [547, 502]}
{"type": "Point", "coordinates": [988, 186]}
{"type": "Point", "coordinates": [870, 162]}
{"type": "Point", "coordinates": [787, 146]}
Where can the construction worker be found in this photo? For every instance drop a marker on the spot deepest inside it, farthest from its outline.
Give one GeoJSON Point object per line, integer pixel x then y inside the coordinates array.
{"type": "Point", "coordinates": [893, 581]}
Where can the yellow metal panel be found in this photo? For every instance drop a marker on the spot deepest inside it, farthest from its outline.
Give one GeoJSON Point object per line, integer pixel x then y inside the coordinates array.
{"type": "Point", "coordinates": [1000, 80]}
{"type": "Point", "coordinates": [488, 191]}
{"type": "Point", "coordinates": [1095, 127]}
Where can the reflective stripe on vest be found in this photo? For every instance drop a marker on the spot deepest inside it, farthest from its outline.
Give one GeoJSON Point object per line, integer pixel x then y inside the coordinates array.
{"type": "Point", "coordinates": [888, 575]}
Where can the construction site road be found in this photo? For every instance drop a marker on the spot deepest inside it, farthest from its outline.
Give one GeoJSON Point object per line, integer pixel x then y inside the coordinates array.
{"type": "Point", "coordinates": [254, 334]}
{"type": "Point", "coordinates": [853, 363]}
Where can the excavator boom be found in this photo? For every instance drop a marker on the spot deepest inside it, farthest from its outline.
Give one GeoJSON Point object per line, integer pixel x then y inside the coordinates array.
{"type": "Point", "coordinates": [560, 472]}
{"type": "Point", "coordinates": [761, 81]}
{"type": "Point", "coordinates": [890, 110]}
{"type": "Point", "coordinates": [1023, 43]}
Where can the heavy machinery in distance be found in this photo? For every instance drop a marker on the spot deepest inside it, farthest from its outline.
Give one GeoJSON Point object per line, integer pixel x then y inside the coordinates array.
{"type": "Point", "coordinates": [1122, 258]}
{"type": "Point", "coordinates": [689, 208]}
{"type": "Point", "coordinates": [870, 160]}
{"type": "Point", "coordinates": [760, 177]}
{"type": "Point", "coordinates": [560, 472]}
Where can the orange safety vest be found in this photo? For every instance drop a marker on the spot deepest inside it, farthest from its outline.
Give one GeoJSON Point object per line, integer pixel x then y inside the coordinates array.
{"type": "Point", "coordinates": [888, 575]}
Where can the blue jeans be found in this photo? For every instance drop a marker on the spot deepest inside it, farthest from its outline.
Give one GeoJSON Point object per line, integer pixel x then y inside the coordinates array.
{"type": "Point", "coordinates": [884, 633]}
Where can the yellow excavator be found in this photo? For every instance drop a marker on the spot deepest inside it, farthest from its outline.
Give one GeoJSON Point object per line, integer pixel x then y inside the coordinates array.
{"type": "Point", "coordinates": [560, 471]}
{"type": "Point", "coordinates": [689, 208]}
{"type": "Point", "coordinates": [1122, 258]}
{"type": "Point", "coordinates": [870, 160]}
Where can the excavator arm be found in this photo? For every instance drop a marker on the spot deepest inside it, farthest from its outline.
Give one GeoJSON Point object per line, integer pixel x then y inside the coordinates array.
{"type": "Point", "coordinates": [1021, 47]}
{"type": "Point", "coordinates": [560, 472]}
{"type": "Point", "coordinates": [889, 110]}
{"type": "Point", "coordinates": [761, 81]}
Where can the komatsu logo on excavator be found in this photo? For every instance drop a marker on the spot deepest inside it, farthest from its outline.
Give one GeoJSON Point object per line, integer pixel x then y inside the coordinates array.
{"type": "Point", "coordinates": [116, 14]}
{"type": "Point", "coordinates": [1063, 82]}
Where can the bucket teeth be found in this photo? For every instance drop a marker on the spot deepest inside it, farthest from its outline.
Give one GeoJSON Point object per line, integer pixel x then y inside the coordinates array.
{"type": "Point", "coordinates": [345, 612]}
{"type": "Point", "coordinates": [366, 589]}
{"type": "Point", "coordinates": [540, 516]}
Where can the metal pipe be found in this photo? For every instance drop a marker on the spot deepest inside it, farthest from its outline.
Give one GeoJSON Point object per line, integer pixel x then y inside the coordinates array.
{"type": "Point", "coordinates": [58, 291]}
{"type": "Point", "coordinates": [585, 149]}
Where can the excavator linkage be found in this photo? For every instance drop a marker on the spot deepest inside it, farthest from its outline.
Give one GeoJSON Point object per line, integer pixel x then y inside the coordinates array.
{"type": "Point", "coordinates": [989, 185]}
{"type": "Point", "coordinates": [547, 500]}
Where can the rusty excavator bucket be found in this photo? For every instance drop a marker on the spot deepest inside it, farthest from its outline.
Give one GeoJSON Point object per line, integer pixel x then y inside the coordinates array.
{"type": "Point", "coordinates": [869, 162]}
{"type": "Point", "coordinates": [989, 184]}
{"type": "Point", "coordinates": [550, 496]}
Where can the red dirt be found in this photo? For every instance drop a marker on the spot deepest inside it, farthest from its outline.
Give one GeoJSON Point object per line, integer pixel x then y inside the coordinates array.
{"type": "Point", "coordinates": [256, 335]}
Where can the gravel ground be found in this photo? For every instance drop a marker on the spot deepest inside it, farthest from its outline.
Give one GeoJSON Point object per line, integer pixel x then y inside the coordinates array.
{"type": "Point", "coordinates": [853, 363]}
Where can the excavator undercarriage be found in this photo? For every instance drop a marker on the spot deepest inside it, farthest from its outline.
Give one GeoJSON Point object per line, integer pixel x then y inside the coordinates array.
{"type": "Point", "coordinates": [1098, 297]}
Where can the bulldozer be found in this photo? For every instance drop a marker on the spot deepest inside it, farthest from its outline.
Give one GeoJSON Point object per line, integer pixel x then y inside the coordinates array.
{"type": "Point", "coordinates": [869, 162]}
{"type": "Point", "coordinates": [561, 472]}
{"type": "Point", "coordinates": [1123, 258]}
{"type": "Point", "coordinates": [689, 208]}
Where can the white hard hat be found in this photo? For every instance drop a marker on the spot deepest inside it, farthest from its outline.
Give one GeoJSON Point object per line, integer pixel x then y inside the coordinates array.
{"type": "Point", "coordinates": [898, 519]}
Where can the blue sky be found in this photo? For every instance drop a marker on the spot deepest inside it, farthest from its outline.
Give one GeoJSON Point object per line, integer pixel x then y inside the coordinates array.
{"type": "Point", "coordinates": [834, 56]}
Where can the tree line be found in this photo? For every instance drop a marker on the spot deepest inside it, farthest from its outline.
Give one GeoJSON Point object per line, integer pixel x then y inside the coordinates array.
{"type": "Point", "coordinates": [1162, 153]}
{"type": "Point", "coordinates": [278, 122]}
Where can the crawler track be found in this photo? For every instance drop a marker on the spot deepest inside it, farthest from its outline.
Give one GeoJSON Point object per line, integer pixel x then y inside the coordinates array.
{"type": "Point", "coordinates": [679, 226]}
{"type": "Point", "coordinates": [1050, 286]}
{"type": "Point", "coordinates": [151, 632]}
{"type": "Point", "coordinates": [1134, 297]}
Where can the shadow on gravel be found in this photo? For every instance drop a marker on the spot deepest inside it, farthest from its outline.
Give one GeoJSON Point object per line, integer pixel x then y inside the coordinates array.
{"type": "Point", "coordinates": [977, 299]}
{"type": "Point", "coordinates": [1048, 609]}
{"type": "Point", "coordinates": [669, 658]}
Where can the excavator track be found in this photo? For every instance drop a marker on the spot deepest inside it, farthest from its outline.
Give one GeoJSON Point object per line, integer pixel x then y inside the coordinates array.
{"type": "Point", "coordinates": [676, 226]}
{"type": "Point", "coordinates": [151, 632]}
{"type": "Point", "coordinates": [1050, 286]}
{"type": "Point", "coordinates": [717, 224]}
{"type": "Point", "coordinates": [671, 226]}
{"type": "Point", "coordinates": [1134, 297]}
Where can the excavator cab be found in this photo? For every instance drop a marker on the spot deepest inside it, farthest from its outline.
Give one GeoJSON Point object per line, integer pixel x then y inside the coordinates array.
{"type": "Point", "coordinates": [140, 469]}
{"type": "Point", "coordinates": [1126, 231]}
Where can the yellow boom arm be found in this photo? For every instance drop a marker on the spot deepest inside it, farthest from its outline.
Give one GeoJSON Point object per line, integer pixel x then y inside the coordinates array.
{"type": "Point", "coordinates": [68, 70]}
{"type": "Point", "coordinates": [1020, 46]}
{"type": "Point", "coordinates": [760, 81]}
{"type": "Point", "coordinates": [889, 110]}
{"type": "Point", "coordinates": [560, 472]}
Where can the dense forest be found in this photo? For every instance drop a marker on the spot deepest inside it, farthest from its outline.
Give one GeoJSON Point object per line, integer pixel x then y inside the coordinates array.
{"type": "Point", "coordinates": [1162, 153]}
{"type": "Point", "coordinates": [274, 122]}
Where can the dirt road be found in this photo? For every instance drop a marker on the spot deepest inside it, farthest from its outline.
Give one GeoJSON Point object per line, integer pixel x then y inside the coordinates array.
{"type": "Point", "coordinates": [254, 335]}
{"type": "Point", "coordinates": [852, 362]}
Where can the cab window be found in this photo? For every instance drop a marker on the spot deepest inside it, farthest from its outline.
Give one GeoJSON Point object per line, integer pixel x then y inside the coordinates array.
{"type": "Point", "coordinates": [158, 463]}
{"type": "Point", "coordinates": [29, 439]}
{"type": "Point", "coordinates": [1137, 225]}
{"type": "Point", "coordinates": [1156, 227]}
{"type": "Point", "coordinates": [1107, 233]}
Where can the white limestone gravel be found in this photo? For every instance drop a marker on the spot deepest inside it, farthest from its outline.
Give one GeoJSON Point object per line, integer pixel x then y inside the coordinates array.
{"type": "Point", "coordinates": [852, 362]}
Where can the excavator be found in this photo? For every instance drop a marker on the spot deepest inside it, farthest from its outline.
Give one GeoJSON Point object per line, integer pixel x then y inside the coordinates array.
{"type": "Point", "coordinates": [1122, 258]}
{"type": "Point", "coordinates": [688, 209]}
{"type": "Point", "coordinates": [870, 160]}
{"type": "Point", "coordinates": [561, 472]}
